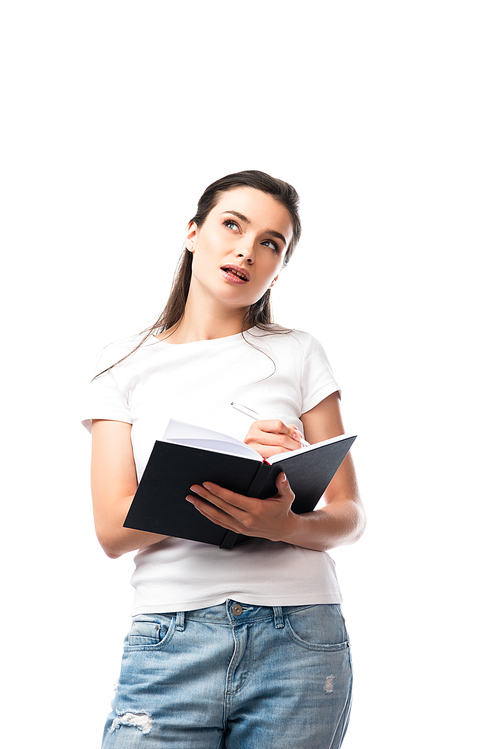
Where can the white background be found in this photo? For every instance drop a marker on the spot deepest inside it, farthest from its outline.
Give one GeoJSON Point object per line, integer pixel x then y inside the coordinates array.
{"type": "Point", "coordinates": [385, 117]}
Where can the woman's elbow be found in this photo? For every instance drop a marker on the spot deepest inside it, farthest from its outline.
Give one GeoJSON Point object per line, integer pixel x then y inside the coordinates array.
{"type": "Point", "coordinates": [352, 522]}
{"type": "Point", "coordinates": [117, 540]}
{"type": "Point", "coordinates": [109, 543]}
{"type": "Point", "coordinates": [359, 523]}
{"type": "Point", "coordinates": [111, 553]}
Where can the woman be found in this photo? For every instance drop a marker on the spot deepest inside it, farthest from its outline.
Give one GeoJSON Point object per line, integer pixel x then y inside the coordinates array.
{"type": "Point", "coordinates": [244, 647]}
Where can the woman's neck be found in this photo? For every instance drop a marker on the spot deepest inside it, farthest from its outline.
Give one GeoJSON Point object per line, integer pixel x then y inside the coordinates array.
{"type": "Point", "coordinates": [200, 323]}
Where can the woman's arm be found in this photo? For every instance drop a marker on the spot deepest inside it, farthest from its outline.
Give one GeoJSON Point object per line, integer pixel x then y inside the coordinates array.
{"type": "Point", "coordinates": [342, 520]}
{"type": "Point", "coordinates": [114, 483]}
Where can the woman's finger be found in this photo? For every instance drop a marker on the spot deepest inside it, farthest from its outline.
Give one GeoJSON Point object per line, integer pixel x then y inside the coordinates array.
{"type": "Point", "coordinates": [276, 437]}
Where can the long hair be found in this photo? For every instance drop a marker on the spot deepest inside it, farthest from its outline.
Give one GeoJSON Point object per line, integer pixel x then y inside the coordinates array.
{"type": "Point", "coordinates": [258, 314]}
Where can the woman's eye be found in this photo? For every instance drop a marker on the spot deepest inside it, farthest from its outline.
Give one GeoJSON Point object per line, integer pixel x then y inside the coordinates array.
{"type": "Point", "coordinates": [231, 224]}
{"type": "Point", "coordinates": [272, 245]}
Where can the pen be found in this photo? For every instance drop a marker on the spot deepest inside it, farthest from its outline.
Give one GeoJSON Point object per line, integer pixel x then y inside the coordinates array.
{"type": "Point", "coordinates": [255, 416]}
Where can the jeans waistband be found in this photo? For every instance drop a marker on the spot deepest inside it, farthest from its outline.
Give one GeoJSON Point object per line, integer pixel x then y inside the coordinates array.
{"type": "Point", "coordinates": [233, 613]}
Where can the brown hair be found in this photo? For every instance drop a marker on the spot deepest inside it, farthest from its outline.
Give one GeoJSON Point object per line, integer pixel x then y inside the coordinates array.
{"type": "Point", "coordinates": [259, 314]}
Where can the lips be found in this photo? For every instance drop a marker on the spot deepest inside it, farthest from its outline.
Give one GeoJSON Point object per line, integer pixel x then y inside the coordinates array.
{"type": "Point", "coordinates": [235, 273]}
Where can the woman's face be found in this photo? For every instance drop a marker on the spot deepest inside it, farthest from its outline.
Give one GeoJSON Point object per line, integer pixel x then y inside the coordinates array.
{"type": "Point", "coordinates": [239, 250]}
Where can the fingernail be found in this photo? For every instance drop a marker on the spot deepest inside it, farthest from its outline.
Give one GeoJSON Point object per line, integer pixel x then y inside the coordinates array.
{"type": "Point", "coordinates": [284, 478]}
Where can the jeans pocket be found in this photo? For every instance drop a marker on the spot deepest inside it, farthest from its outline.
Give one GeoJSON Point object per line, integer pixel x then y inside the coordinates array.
{"type": "Point", "coordinates": [320, 627]}
{"type": "Point", "coordinates": [150, 632]}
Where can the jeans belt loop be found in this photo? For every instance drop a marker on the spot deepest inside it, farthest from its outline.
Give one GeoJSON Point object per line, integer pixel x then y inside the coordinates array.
{"type": "Point", "coordinates": [278, 617]}
{"type": "Point", "coordinates": [179, 621]}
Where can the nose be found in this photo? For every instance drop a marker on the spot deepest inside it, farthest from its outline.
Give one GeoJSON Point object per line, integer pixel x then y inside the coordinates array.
{"type": "Point", "coordinates": [245, 251]}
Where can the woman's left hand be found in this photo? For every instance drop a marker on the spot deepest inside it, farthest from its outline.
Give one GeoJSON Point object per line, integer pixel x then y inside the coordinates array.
{"type": "Point", "coordinates": [263, 518]}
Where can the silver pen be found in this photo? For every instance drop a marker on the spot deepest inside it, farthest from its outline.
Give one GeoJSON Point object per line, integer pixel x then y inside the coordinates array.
{"type": "Point", "coordinates": [255, 416]}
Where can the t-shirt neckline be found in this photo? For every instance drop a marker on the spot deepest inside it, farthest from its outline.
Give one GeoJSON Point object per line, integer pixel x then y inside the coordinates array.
{"type": "Point", "coordinates": [205, 340]}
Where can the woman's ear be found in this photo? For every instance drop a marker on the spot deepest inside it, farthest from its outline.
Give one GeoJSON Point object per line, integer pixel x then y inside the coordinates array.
{"type": "Point", "coordinates": [191, 236]}
{"type": "Point", "coordinates": [274, 281]}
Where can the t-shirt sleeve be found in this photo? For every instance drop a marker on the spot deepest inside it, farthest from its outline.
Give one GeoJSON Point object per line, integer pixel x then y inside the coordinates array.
{"type": "Point", "coordinates": [105, 400]}
{"type": "Point", "coordinates": [317, 377]}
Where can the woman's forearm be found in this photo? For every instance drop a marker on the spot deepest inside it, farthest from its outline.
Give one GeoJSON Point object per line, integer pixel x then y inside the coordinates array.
{"type": "Point", "coordinates": [341, 521]}
{"type": "Point", "coordinates": [114, 483]}
{"type": "Point", "coordinates": [114, 538]}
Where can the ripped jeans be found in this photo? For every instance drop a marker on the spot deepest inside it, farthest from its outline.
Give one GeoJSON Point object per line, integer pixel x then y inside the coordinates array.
{"type": "Point", "coordinates": [234, 676]}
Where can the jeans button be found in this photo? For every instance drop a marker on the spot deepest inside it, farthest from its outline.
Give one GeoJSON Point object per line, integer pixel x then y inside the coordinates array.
{"type": "Point", "coordinates": [236, 609]}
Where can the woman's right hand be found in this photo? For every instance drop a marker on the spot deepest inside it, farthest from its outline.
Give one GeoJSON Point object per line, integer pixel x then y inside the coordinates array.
{"type": "Point", "coordinates": [271, 436]}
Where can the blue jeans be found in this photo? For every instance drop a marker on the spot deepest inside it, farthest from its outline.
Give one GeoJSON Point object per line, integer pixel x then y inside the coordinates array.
{"type": "Point", "coordinates": [234, 676]}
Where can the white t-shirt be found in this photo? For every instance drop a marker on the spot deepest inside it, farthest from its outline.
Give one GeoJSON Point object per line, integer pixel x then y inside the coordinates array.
{"type": "Point", "coordinates": [279, 375]}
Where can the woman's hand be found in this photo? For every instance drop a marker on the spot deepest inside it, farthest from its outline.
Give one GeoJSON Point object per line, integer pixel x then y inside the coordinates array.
{"type": "Point", "coordinates": [340, 521]}
{"type": "Point", "coordinates": [263, 518]}
{"type": "Point", "coordinates": [272, 436]}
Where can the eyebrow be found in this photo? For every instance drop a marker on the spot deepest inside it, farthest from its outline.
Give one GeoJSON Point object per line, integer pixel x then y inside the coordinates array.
{"type": "Point", "coordinates": [246, 220]}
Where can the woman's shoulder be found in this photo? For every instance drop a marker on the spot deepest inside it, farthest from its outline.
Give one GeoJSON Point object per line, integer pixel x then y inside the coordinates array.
{"type": "Point", "coordinates": [118, 350]}
{"type": "Point", "coordinates": [287, 337]}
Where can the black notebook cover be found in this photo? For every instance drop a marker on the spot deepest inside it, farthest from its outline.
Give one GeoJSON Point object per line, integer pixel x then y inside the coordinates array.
{"type": "Point", "coordinates": [160, 506]}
